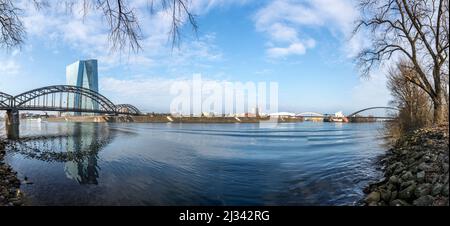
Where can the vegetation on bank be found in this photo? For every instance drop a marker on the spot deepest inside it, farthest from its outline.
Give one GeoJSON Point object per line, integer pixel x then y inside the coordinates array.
{"type": "Point", "coordinates": [411, 39]}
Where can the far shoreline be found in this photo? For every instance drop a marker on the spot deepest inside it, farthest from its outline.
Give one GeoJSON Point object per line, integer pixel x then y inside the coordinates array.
{"type": "Point", "coordinates": [190, 119]}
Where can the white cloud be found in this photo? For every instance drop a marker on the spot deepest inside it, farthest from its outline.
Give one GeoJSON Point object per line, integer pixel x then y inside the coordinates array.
{"type": "Point", "coordinates": [284, 21]}
{"type": "Point", "coordinates": [148, 93]}
{"type": "Point", "coordinates": [203, 6]}
{"type": "Point", "coordinates": [293, 49]}
{"type": "Point", "coordinates": [89, 35]}
{"type": "Point", "coordinates": [9, 67]}
{"type": "Point", "coordinates": [280, 32]}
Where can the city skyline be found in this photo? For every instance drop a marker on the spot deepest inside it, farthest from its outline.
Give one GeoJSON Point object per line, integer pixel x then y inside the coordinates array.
{"type": "Point", "coordinates": [310, 57]}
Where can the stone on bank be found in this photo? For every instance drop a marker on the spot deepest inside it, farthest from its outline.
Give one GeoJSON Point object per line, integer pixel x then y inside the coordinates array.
{"type": "Point", "coordinates": [416, 171]}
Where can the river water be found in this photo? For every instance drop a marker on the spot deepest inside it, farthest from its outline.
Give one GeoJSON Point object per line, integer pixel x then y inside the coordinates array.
{"type": "Point", "coordinates": [303, 163]}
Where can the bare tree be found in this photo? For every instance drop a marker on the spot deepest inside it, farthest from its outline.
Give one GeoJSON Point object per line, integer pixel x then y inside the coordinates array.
{"type": "Point", "coordinates": [11, 27]}
{"type": "Point", "coordinates": [414, 29]}
{"type": "Point", "coordinates": [122, 21]}
{"type": "Point", "coordinates": [412, 101]}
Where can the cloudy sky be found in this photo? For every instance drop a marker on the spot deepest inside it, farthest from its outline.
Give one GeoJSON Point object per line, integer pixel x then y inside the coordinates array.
{"type": "Point", "coordinates": [304, 45]}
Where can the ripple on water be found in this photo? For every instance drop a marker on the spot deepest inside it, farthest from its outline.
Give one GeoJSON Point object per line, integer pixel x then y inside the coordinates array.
{"type": "Point", "coordinates": [196, 164]}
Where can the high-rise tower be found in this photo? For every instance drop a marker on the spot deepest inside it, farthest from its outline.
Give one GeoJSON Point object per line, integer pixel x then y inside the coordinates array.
{"type": "Point", "coordinates": [83, 73]}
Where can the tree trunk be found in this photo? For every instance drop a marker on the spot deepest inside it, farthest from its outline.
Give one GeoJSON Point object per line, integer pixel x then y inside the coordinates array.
{"type": "Point", "coordinates": [438, 109]}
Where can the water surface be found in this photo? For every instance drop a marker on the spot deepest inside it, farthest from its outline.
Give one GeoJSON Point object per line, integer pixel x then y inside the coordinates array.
{"type": "Point", "coordinates": [196, 164]}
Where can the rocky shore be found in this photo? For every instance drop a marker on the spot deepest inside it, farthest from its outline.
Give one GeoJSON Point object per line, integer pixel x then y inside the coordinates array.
{"type": "Point", "coordinates": [10, 194]}
{"type": "Point", "coordinates": [415, 171]}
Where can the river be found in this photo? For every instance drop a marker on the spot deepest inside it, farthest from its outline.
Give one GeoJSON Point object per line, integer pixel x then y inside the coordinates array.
{"type": "Point", "coordinates": [303, 163]}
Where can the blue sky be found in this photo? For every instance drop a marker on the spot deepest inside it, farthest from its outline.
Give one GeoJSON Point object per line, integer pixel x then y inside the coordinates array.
{"type": "Point", "coordinates": [305, 46]}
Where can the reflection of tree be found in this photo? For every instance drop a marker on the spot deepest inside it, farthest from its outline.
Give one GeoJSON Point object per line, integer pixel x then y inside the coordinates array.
{"type": "Point", "coordinates": [79, 150]}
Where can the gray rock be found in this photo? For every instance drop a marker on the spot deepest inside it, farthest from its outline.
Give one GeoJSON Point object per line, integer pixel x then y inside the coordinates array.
{"type": "Point", "coordinates": [445, 180]}
{"type": "Point", "coordinates": [373, 197]}
{"type": "Point", "coordinates": [424, 166]}
{"type": "Point", "coordinates": [394, 166]}
{"type": "Point", "coordinates": [426, 158]}
{"type": "Point", "coordinates": [382, 203]}
{"type": "Point", "coordinates": [445, 190]}
{"type": "Point", "coordinates": [440, 201]}
{"type": "Point", "coordinates": [417, 154]}
{"type": "Point", "coordinates": [407, 176]}
{"type": "Point", "coordinates": [391, 187]}
{"type": "Point", "coordinates": [393, 195]}
{"type": "Point", "coordinates": [399, 170]}
{"type": "Point", "coordinates": [399, 202]}
{"type": "Point", "coordinates": [422, 190]}
{"type": "Point", "coordinates": [394, 180]}
{"type": "Point", "coordinates": [434, 178]}
{"type": "Point", "coordinates": [413, 169]}
{"type": "Point", "coordinates": [385, 195]}
{"type": "Point", "coordinates": [420, 176]}
{"type": "Point", "coordinates": [436, 190]}
{"type": "Point", "coordinates": [426, 200]}
{"type": "Point", "coordinates": [407, 184]}
{"type": "Point", "coordinates": [403, 152]}
{"type": "Point", "coordinates": [445, 167]}
{"type": "Point", "coordinates": [407, 193]}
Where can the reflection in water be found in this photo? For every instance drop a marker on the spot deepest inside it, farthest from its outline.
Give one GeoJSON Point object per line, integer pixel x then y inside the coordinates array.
{"type": "Point", "coordinates": [195, 164]}
{"type": "Point", "coordinates": [78, 150]}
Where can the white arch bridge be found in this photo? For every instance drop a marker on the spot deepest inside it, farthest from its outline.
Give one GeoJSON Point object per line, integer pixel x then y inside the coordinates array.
{"type": "Point", "coordinates": [352, 115]}
{"type": "Point", "coordinates": [59, 98]}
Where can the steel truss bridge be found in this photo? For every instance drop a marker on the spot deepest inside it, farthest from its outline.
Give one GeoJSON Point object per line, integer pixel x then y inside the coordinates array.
{"type": "Point", "coordinates": [60, 98]}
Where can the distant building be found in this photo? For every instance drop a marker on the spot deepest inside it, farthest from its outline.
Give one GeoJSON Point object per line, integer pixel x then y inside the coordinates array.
{"type": "Point", "coordinates": [283, 115]}
{"type": "Point", "coordinates": [339, 114]}
{"type": "Point", "coordinates": [255, 111]}
{"type": "Point", "coordinates": [83, 73]}
{"type": "Point", "coordinates": [209, 114]}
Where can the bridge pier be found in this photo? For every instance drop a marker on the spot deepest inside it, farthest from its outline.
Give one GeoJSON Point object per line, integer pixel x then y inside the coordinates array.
{"type": "Point", "coordinates": [12, 123]}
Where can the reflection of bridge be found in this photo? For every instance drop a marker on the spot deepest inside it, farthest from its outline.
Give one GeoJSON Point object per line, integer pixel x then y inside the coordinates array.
{"type": "Point", "coordinates": [77, 150]}
{"type": "Point", "coordinates": [57, 98]}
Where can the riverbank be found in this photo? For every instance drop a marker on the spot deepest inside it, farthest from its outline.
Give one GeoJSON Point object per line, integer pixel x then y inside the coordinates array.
{"type": "Point", "coordinates": [10, 194]}
{"type": "Point", "coordinates": [415, 171]}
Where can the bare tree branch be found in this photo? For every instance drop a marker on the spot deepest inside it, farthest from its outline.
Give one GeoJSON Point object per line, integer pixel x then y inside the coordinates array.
{"type": "Point", "coordinates": [416, 30]}
{"type": "Point", "coordinates": [122, 21]}
{"type": "Point", "coordinates": [11, 27]}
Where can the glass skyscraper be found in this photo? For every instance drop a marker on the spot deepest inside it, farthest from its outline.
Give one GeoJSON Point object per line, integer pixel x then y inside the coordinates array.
{"type": "Point", "coordinates": [83, 73]}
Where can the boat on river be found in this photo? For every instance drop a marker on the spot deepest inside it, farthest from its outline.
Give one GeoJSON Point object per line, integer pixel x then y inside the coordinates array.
{"type": "Point", "coordinates": [336, 117]}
